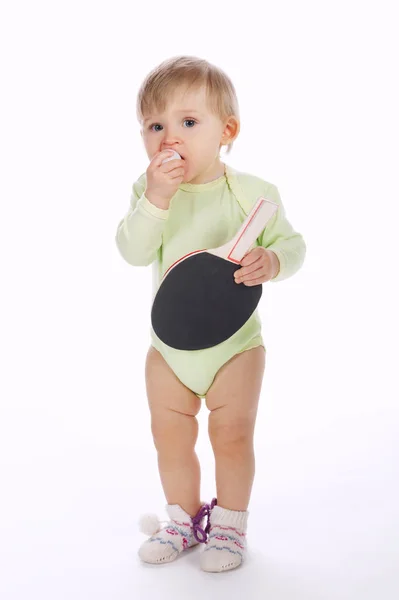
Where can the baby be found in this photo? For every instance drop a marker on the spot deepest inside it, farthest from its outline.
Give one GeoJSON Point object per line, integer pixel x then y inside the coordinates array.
{"type": "Point", "coordinates": [179, 205]}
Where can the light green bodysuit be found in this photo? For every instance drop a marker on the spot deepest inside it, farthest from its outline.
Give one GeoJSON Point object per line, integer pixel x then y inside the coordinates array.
{"type": "Point", "coordinates": [202, 216]}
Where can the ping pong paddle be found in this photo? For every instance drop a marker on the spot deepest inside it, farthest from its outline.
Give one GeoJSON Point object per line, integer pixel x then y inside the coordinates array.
{"type": "Point", "coordinates": [198, 303]}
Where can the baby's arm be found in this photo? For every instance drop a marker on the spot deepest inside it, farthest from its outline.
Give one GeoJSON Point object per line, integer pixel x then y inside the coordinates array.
{"type": "Point", "coordinates": [280, 237]}
{"type": "Point", "coordinates": [139, 234]}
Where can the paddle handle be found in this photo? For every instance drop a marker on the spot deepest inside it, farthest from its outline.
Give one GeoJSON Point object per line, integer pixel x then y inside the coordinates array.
{"type": "Point", "coordinates": [256, 221]}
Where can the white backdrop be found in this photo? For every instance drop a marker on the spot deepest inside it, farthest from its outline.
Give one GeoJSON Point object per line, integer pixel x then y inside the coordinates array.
{"type": "Point", "coordinates": [317, 88]}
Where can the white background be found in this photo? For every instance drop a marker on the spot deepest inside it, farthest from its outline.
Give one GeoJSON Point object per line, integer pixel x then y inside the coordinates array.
{"type": "Point", "coordinates": [317, 88]}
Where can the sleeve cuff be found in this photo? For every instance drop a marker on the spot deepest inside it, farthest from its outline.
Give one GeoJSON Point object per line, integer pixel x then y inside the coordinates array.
{"type": "Point", "coordinates": [145, 205]}
{"type": "Point", "coordinates": [281, 258]}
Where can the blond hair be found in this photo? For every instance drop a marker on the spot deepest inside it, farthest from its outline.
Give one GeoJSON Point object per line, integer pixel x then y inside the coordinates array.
{"type": "Point", "coordinates": [191, 72]}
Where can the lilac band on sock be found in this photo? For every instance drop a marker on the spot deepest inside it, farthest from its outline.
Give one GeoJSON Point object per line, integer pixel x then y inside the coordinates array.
{"type": "Point", "coordinates": [204, 511]}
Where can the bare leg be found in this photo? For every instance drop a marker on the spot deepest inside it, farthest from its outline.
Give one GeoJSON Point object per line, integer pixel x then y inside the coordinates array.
{"type": "Point", "coordinates": [233, 402]}
{"type": "Point", "coordinates": [174, 428]}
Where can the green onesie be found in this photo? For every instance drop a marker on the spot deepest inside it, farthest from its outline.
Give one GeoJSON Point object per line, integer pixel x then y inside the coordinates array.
{"type": "Point", "coordinates": [205, 215]}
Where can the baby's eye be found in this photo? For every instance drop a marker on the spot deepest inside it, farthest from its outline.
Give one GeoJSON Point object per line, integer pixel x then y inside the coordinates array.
{"type": "Point", "coordinates": [158, 125]}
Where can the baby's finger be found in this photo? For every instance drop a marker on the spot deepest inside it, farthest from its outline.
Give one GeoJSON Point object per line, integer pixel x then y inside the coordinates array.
{"type": "Point", "coordinates": [252, 256]}
{"type": "Point", "coordinates": [171, 165]}
{"type": "Point", "coordinates": [249, 269]}
{"type": "Point", "coordinates": [258, 281]}
{"type": "Point", "coordinates": [241, 277]}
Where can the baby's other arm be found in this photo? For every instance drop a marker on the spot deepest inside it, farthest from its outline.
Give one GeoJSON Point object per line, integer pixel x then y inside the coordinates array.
{"type": "Point", "coordinates": [139, 233]}
{"type": "Point", "coordinates": [280, 237]}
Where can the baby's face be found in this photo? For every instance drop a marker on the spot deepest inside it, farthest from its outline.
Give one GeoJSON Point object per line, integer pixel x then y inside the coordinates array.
{"type": "Point", "coordinates": [187, 126]}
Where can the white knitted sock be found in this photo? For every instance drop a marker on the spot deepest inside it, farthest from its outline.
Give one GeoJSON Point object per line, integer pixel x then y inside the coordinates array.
{"type": "Point", "coordinates": [166, 544]}
{"type": "Point", "coordinates": [226, 546]}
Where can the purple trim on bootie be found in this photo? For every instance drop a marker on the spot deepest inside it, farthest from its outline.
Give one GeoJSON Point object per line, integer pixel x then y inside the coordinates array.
{"type": "Point", "coordinates": [204, 511]}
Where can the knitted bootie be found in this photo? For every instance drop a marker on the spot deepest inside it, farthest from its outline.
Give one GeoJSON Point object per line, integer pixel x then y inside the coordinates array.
{"type": "Point", "coordinates": [180, 533]}
{"type": "Point", "coordinates": [226, 545]}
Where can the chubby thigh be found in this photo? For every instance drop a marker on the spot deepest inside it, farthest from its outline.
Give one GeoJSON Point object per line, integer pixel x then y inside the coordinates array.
{"type": "Point", "coordinates": [234, 395]}
{"type": "Point", "coordinates": [164, 388]}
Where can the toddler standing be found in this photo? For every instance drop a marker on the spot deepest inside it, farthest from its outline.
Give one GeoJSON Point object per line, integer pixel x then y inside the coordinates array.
{"type": "Point", "coordinates": [190, 106]}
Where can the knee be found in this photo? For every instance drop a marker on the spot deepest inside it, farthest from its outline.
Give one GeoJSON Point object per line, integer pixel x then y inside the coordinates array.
{"type": "Point", "coordinates": [173, 431]}
{"type": "Point", "coordinates": [229, 433]}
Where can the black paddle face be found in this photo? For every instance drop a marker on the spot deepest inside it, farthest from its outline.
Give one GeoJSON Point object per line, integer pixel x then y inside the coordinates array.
{"type": "Point", "coordinates": [199, 305]}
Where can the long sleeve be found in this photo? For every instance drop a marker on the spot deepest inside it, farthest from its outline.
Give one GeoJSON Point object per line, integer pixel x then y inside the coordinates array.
{"type": "Point", "coordinates": [280, 237]}
{"type": "Point", "coordinates": [139, 234]}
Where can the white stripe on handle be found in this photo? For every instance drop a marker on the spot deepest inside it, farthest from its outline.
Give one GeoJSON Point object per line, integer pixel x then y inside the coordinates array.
{"type": "Point", "coordinates": [235, 249]}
